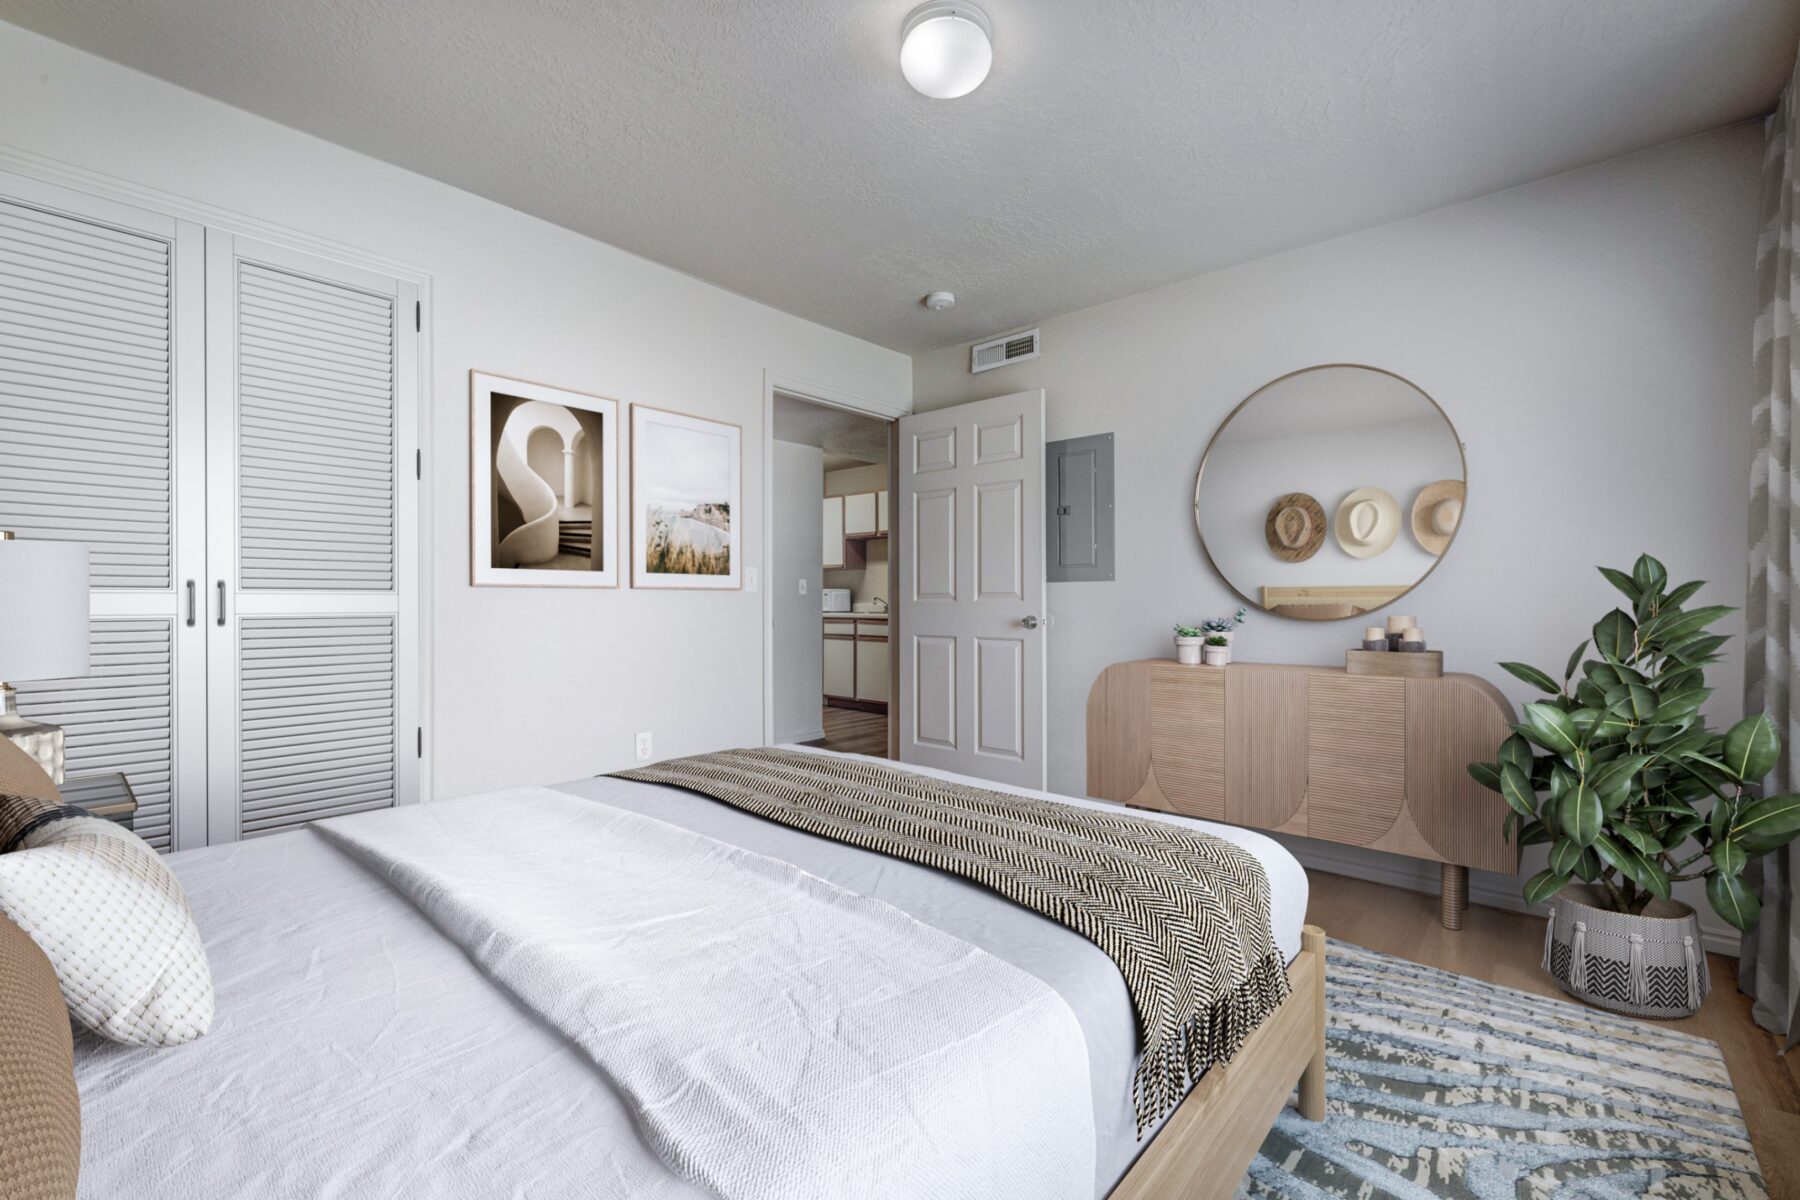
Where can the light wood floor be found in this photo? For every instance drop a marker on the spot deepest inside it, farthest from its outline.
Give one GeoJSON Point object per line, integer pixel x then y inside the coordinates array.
{"type": "Point", "coordinates": [852, 731]}
{"type": "Point", "coordinates": [1504, 948]}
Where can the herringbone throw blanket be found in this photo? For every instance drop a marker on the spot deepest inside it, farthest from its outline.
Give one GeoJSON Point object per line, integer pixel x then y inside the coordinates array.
{"type": "Point", "coordinates": [1184, 915]}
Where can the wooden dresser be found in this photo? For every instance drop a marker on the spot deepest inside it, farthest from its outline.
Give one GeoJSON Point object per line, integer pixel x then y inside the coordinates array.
{"type": "Point", "coordinates": [1360, 759]}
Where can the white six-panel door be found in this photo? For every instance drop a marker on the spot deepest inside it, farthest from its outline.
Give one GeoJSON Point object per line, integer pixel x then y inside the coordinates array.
{"type": "Point", "coordinates": [971, 604]}
{"type": "Point", "coordinates": [312, 539]}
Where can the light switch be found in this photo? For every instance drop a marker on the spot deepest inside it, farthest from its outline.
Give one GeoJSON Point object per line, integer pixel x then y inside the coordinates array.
{"type": "Point", "coordinates": [803, 587]}
{"type": "Point", "coordinates": [750, 579]}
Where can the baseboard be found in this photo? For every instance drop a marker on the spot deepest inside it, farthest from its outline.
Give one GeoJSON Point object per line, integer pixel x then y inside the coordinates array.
{"type": "Point", "coordinates": [815, 734]}
{"type": "Point", "coordinates": [1415, 875]}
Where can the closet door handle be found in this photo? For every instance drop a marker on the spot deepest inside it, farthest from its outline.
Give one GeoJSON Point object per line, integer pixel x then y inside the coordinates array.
{"type": "Point", "coordinates": [190, 612]}
{"type": "Point", "coordinates": [221, 603]}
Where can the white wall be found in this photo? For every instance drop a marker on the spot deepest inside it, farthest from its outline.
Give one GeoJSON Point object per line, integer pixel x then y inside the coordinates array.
{"type": "Point", "coordinates": [797, 663]}
{"type": "Point", "coordinates": [1588, 334]}
{"type": "Point", "coordinates": [529, 685]}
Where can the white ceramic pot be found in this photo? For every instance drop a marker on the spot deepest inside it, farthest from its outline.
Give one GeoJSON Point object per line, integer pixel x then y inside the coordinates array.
{"type": "Point", "coordinates": [1218, 656]}
{"type": "Point", "coordinates": [1188, 650]}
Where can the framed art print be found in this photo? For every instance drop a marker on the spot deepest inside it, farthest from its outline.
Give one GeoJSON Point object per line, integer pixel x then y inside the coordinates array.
{"type": "Point", "coordinates": [544, 492]}
{"type": "Point", "coordinates": [686, 501]}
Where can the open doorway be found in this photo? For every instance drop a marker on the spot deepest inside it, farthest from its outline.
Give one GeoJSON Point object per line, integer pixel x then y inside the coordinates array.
{"type": "Point", "coordinates": [831, 656]}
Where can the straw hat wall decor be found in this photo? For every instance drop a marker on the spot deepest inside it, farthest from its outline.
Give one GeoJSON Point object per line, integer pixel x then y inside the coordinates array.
{"type": "Point", "coordinates": [1436, 514]}
{"type": "Point", "coordinates": [1295, 527]}
{"type": "Point", "coordinates": [1367, 522]}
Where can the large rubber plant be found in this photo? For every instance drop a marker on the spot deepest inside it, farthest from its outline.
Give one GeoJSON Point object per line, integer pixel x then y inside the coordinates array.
{"type": "Point", "coordinates": [1617, 771]}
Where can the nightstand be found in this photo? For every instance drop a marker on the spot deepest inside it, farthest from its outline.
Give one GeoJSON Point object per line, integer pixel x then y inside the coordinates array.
{"type": "Point", "coordinates": [108, 796]}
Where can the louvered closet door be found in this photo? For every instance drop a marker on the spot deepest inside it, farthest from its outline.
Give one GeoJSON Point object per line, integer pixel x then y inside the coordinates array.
{"type": "Point", "coordinates": [102, 437]}
{"type": "Point", "coordinates": [313, 587]}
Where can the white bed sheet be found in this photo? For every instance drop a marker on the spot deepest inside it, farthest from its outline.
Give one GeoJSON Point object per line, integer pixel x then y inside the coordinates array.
{"type": "Point", "coordinates": [358, 1053]}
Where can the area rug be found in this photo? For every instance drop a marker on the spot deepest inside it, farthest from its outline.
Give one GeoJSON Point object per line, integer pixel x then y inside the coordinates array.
{"type": "Point", "coordinates": [1442, 1085]}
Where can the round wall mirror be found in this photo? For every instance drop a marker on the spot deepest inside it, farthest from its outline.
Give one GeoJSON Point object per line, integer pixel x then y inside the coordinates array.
{"type": "Point", "coordinates": [1330, 492]}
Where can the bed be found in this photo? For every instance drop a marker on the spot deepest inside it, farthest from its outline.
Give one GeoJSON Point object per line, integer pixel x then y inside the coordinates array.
{"type": "Point", "coordinates": [359, 1052]}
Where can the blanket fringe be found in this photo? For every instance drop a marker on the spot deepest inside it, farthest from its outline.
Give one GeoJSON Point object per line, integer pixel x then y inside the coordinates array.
{"type": "Point", "coordinates": [1170, 1069]}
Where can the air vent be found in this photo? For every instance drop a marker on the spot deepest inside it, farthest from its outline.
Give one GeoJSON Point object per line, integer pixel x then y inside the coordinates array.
{"type": "Point", "coordinates": [1003, 351]}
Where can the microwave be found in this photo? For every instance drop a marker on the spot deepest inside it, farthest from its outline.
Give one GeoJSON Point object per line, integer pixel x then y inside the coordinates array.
{"type": "Point", "coordinates": [835, 599]}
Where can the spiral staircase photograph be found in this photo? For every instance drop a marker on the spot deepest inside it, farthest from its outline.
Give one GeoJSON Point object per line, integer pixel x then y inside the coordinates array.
{"type": "Point", "coordinates": [544, 483]}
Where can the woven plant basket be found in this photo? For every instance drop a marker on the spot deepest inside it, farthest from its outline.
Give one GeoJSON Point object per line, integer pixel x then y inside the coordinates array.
{"type": "Point", "coordinates": [1652, 965]}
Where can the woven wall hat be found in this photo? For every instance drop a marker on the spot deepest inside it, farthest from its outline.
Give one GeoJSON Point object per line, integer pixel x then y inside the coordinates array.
{"type": "Point", "coordinates": [1367, 522]}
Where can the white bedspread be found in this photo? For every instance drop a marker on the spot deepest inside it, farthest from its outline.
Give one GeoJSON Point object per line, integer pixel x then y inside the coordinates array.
{"type": "Point", "coordinates": [359, 1054]}
{"type": "Point", "coordinates": [775, 1035]}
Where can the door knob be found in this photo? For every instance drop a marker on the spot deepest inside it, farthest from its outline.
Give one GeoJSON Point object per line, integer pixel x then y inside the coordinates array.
{"type": "Point", "coordinates": [1029, 622]}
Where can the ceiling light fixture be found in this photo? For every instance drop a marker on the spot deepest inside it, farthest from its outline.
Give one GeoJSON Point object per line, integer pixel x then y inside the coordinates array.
{"type": "Point", "coordinates": [946, 49]}
{"type": "Point", "coordinates": [939, 301]}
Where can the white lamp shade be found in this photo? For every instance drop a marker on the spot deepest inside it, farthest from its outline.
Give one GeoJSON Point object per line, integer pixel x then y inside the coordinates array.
{"type": "Point", "coordinates": [946, 50]}
{"type": "Point", "coordinates": [43, 610]}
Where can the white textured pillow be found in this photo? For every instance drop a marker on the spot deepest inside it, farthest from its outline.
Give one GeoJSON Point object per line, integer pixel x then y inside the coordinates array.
{"type": "Point", "coordinates": [112, 920]}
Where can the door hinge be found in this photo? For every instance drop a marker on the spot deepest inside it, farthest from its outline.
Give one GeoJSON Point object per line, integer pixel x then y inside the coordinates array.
{"type": "Point", "coordinates": [418, 464]}
{"type": "Point", "coordinates": [418, 316]}
{"type": "Point", "coordinates": [421, 741]}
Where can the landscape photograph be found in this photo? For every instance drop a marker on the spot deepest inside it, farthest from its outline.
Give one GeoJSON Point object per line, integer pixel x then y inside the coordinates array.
{"type": "Point", "coordinates": [685, 488]}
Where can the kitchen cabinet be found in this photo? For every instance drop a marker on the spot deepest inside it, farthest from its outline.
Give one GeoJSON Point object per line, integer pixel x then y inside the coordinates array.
{"type": "Point", "coordinates": [859, 515]}
{"type": "Point", "coordinates": [840, 667]}
{"type": "Point", "coordinates": [833, 541]}
{"type": "Point", "coordinates": [856, 671]}
{"type": "Point", "coordinates": [872, 669]}
{"type": "Point", "coordinates": [849, 521]}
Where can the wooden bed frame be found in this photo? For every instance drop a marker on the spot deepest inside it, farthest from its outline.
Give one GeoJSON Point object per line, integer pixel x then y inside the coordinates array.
{"type": "Point", "coordinates": [1203, 1150]}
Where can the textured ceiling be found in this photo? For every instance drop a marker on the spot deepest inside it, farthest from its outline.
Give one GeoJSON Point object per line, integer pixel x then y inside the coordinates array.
{"type": "Point", "coordinates": [772, 147]}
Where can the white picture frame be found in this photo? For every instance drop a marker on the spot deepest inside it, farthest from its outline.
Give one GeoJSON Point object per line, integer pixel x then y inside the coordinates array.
{"type": "Point", "coordinates": [519, 434]}
{"type": "Point", "coordinates": [686, 474]}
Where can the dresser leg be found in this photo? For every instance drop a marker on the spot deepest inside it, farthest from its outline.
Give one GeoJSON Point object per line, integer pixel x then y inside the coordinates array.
{"type": "Point", "coordinates": [1454, 898]}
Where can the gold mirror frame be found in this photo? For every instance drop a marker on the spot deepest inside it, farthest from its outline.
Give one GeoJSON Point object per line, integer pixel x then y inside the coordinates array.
{"type": "Point", "coordinates": [1256, 604]}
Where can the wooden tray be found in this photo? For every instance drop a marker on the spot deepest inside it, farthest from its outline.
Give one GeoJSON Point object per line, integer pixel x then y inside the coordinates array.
{"type": "Point", "coordinates": [1420, 664]}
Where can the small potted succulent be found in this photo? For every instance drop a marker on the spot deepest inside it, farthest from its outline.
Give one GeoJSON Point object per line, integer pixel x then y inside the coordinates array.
{"type": "Point", "coordinates": [1225, 627]}
{"type": "Point", "coordinates": [1616, 771]}
{"type": "Point", "coordinates": [1189, 641]}
{"type": "Point", "coordinates": [1218, 649]}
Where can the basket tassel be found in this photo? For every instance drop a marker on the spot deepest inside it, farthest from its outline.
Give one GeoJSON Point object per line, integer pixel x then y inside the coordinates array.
{"type": "Point", "coordinates": [1638, 989]}
{"type": "Point", "coordinates": [1549, 936]}
{"type": "Point", "coordinates": [1693, 971]}
{"type": "Point", "coordinates": [1578, 958]}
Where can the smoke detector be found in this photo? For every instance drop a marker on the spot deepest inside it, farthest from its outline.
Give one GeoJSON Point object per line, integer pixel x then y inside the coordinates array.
{"type": "Point", "coordinates": [939, 301]}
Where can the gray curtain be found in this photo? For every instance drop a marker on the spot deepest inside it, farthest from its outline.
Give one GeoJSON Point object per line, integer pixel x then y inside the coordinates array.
{"type": "Point", "coordinates": [1770, 967]}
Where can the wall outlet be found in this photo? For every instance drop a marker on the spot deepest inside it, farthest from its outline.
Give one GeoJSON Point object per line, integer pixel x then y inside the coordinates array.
{"type": "Point", "coordinates": [643, 746]}
{"type": "Point", "coordinates": [803, 587]}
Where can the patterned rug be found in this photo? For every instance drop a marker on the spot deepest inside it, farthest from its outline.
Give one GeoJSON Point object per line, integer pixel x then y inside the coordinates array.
{"type": "Point", "coordinates": [1442, 1085]}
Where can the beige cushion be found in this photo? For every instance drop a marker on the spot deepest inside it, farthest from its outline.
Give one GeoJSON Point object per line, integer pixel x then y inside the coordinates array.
{"type": "Point", "coordinates": [40, 1114]}
{"type": "Point", "coordinates": [20, 775]}
{"type": "Point", "coordinates": [111, 918]}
